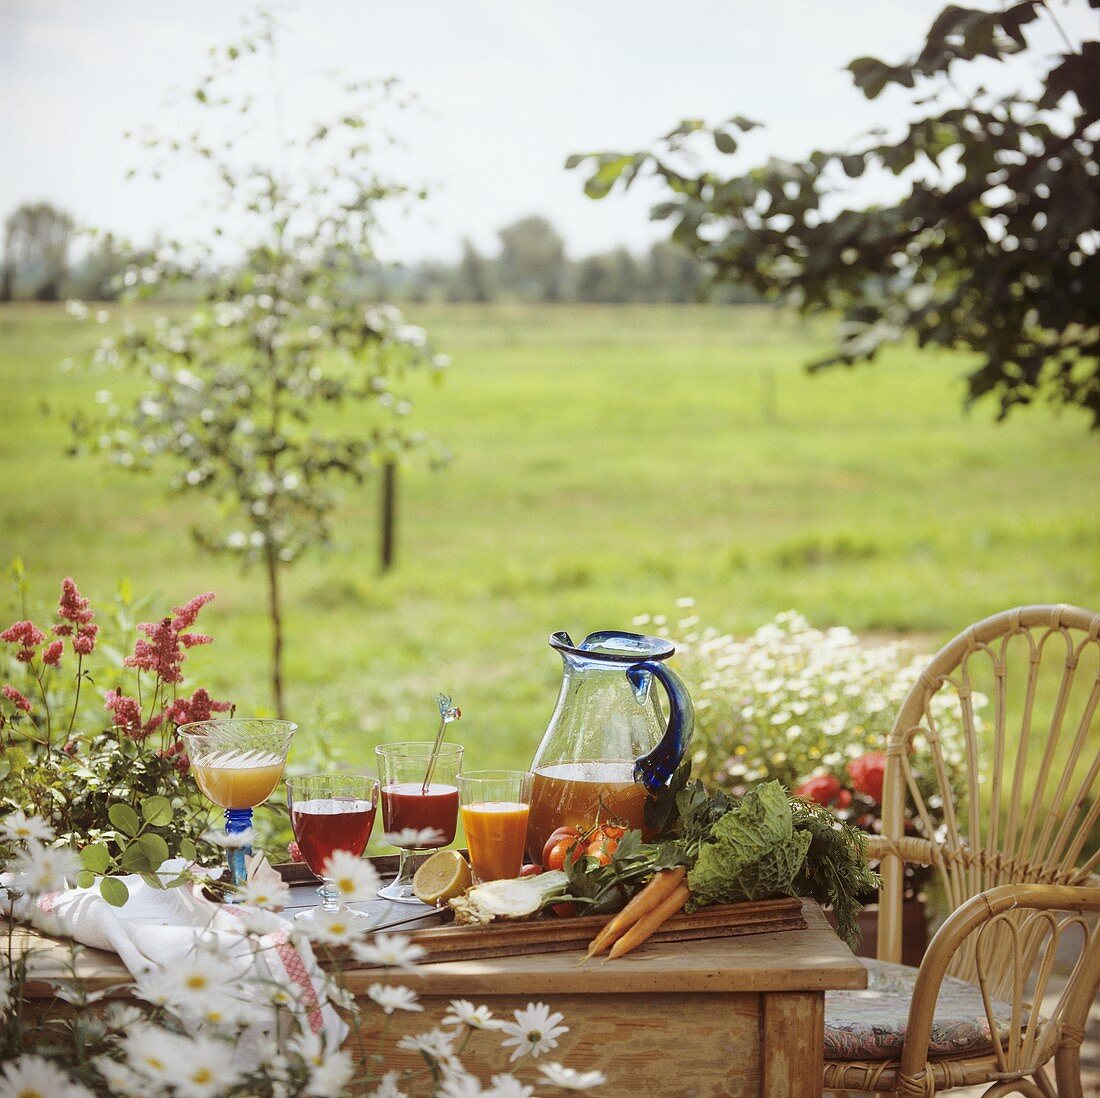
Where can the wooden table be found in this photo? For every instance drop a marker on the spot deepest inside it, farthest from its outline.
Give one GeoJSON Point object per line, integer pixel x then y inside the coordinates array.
{"type": "Point", "coordinates": [732, 1016]}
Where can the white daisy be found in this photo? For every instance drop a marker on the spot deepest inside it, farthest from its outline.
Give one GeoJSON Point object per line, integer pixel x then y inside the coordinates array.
{"type": "Point", "coordinates": [353, 878]}
{"type": "Point", "coordinates": [309, 1046]}
{"type": "Point", "coordinates": [123, 1016]}
{"type": "Point", "coordinates": [18, 827]}
{"type": "Point", "coordinates": [462, 1012]}
{"type": "Point", "coordinates": [508, 1086]}
{"type": "Point", "coordinates": [334, 927]}
{"type": "Point", "coordinates": [393, 998]}
{"type": "Point", "coordinates": [536, 1030]}
{"type": "Point", "coordinates": [153, 1052]}
{"type": "Point", "coordinates": [206, 1069]}
{"type": "Point", "coordinates": [557, 1075]}
{"type": "Point", "coordinates": [219, 1010]}
{"type": "Point", "coordinates": [235, 841]}
{"type": "Point", "coordinates": [389, 951]}
{"type": "Point", "coordinates": [262, 892]}
{"type": "Point", "coordinates": [332, 1076]}
{"type": "Point", "coordinates": [122, 1080]}
{"type": "Point", "coordinates": [257, 921]}
{"type": "Point", "coordinates": [460, 1085]}
{"type": "Point", "coordinates": [190, 983]}
{"type": "Point", "coordinates": [44, 868]}
{"type": "Point", "coordinates": [34, 1077]}
{"type": "Point", "coordinates": [413, 838]}
{"type": "Point", "coordinates": [388, 1086]}
{"type": "Point", "coordinates": [436, 1046]}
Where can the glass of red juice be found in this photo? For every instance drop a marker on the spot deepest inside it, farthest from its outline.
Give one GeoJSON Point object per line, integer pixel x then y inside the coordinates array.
{"type": "Point", "coordinates": [330, 812]}
{"type": "Point", "coordinates": [419, 805]}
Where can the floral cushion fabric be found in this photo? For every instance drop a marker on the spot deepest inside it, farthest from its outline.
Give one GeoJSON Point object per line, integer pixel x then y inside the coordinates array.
{"type": "Point", "coordinates": [870, 1025]}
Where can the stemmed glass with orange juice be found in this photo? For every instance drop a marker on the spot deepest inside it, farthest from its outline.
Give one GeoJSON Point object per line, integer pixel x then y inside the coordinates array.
{"type": "Point", "coordinates": [237, 763]}
{"type": "Point", "coordinates": [495, 808]}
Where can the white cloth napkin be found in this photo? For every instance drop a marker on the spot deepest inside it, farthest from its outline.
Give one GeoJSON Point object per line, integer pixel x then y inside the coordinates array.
{"type": "Point", "coordinates": [158, 929]}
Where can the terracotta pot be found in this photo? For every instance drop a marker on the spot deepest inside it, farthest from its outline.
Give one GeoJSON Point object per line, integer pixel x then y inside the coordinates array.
{"type": "Point", "coordinates": [914, 931]}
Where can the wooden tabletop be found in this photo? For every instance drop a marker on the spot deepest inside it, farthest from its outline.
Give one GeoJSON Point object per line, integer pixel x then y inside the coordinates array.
{"type": "Point", "coordinates": [812, 959]}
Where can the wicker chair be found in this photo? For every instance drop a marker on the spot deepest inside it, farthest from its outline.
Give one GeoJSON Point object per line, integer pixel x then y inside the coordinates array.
{"type": "Point", "coordinates": [1012, 858]}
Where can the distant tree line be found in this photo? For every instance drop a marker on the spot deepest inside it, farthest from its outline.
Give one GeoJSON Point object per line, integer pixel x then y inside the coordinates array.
{"type": "Point", "coordinates": [531, 265]}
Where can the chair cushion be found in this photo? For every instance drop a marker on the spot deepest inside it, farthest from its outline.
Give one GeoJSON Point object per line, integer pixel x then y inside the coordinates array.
{"type": "Point", "coordinates": [870, 1025]}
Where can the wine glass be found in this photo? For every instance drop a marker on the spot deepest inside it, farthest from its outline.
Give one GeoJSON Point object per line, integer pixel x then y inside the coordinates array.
{"type": "Point", "coordinates": [330, 812]}
{"type": "Point", "coordinates": [419, 805]}
{"type": "Point", "coordinates": [237, 762]}
{"type": "Point", "coordinates": [495, 807]}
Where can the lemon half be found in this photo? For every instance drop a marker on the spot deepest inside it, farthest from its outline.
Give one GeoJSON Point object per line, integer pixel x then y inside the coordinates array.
{"type": "Point", "coordinates": [442, 877]}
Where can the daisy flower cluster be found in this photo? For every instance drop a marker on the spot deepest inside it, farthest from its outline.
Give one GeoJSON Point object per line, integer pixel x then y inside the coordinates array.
{"type": "Point", "coordinates": [792, 702]}
{"type": "Point", "coordinates": [199, 1029]}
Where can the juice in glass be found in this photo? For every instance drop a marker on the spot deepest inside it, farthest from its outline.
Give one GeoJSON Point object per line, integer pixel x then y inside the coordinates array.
{"type": "Point", "coordinates": [581, 795]}
{"type": "Point", "coordinates": [496, 833]}
{"type": "Point", "coordinates": [237, 783]}
{"type": "Point", "coordinates": [324, 825]}
{"type": "Point", "coordinates": [409, 805]}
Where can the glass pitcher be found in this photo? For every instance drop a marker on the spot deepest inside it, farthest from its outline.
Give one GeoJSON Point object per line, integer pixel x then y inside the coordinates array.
{"type": "Point", "coordinates": [607, 747]}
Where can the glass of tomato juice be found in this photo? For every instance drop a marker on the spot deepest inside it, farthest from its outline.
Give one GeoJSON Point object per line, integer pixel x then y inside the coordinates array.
{"type": "Point", "coordinates": [495, 807]}
{"type": "Point", "coordinates": [419, 805]}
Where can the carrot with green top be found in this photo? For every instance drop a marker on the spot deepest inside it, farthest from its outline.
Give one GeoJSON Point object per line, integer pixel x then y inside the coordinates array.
{"type": "Point", "coordinates": [659, 888]}
{"type": "Point", "coordinates": [650, 922]}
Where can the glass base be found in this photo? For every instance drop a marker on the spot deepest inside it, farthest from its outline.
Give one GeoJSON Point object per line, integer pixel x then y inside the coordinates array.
{"type": "Point", "coordinates": [400, 889]}
{"type": "Point", "coordinates": [311, 913]}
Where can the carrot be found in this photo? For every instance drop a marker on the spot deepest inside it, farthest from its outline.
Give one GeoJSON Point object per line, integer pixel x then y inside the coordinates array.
{"type": "Point", "coordinates": [661, 885]}
{"type": "Point", "coordinates": [650, 922]}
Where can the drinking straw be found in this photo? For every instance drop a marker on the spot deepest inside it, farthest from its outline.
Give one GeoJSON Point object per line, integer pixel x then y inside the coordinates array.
{"type": "Point", "coordinates": [447, 713]}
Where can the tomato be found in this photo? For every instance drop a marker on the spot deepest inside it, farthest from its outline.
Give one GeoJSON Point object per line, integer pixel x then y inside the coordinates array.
{"type": "Point", "coordinates": [564, 911]}
{"type": "Point", "coordinates": [570, 847]}
{"type": "Point", "coordinates": [530, 870]}
{"type": "Point", "coordinates": [561, 833]}
{"type": "Point", "coordinates": [612, 831]}
{"type": "Point", "coordinates": [601, 846]}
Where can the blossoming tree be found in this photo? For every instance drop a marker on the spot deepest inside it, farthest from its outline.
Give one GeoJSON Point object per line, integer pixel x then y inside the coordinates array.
{"type": "Point", "coordinates": [281, 383]}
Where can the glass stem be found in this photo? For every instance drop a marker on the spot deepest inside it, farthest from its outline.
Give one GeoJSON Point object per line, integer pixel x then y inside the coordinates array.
{"type": "Point", "coordinates": [330, 897]}
{"type": "Point", "coordinates": [236, 821]}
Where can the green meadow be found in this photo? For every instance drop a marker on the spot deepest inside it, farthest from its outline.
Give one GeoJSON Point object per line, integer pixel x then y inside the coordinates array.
{"type": "Point", "coordinates": [606, 462]}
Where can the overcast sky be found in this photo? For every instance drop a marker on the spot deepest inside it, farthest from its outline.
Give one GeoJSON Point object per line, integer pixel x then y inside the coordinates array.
{"type": "Point", "coordinates": [510, 88]}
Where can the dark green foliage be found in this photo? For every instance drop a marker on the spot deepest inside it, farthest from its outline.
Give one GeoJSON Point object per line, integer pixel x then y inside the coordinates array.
{"type": "Point", "coordinates": [991, 248]}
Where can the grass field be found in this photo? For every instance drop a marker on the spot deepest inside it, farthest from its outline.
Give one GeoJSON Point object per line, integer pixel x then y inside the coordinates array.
{"type": "Point", "coordinates": [606, 462]}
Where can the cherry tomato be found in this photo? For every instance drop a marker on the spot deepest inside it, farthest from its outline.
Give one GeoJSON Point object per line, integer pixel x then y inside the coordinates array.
{"type": "Point", "coordinates": [530, 870]}
{"type": "Point", "coordinates": [564, 911]}
{"type": "Point", "coordinates": [569, 847]}
{"type": "Point", "coordinates": [555, 838]}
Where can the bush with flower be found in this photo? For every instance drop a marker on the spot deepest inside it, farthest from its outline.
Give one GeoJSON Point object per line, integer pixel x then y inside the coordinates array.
{"type": "Point", "coordinates": [193, 1029]}
{"type": "Point", "coordinates": [89, 738]}
{"type": "Point", "coordinates": [809, 707]}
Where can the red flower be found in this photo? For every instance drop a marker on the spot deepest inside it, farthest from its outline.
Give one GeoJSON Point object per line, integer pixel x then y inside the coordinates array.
{"type": "Point", "coordinates": [825, 790]}
{"type": "Point", "coordinates": [24, 633]}
{"type": "Point", "coordinates": [72, 606]}
{"type": "Point", "coordinates": [199, 707]}
{"type": "Point", "coordinates": [84, 641]}
{"type": "Point", "coordinates": [162, 653]}
{"type": "Point", "coordinates": [868, 773]}
{"type": "Point", "coordinates": [127, 713]}
{"type": "Point", "coordinates": [51, 654]}
{"type": "Point", "coordinates": [15, 698]}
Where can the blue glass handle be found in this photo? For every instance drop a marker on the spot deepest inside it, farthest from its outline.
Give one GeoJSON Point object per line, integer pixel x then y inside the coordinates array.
{"type": "Point", "coordinates": [655, 769]}
{"type": "Point", "coordinates": [236, 821]}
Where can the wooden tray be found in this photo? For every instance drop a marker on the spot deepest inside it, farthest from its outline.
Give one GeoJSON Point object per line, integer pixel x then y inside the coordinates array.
{"type": "Point", "coordinates": [549, 934]}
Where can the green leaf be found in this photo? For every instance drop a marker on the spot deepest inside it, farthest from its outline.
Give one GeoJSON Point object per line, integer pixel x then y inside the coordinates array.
{"type": "Point", "coordinates": [135, 859]}
{"type": "Point", "coordinates": [85, 879]}
{"type": "Point", "coordinates": [124, 818]}
{"type": "Point", "coordinates": [114, 891]}
{"type": "Point", "coordinates": [187, 850]}
{"type": "Point", "coordinates": [95, 858]}
{"type": "Point", "coordinates": [724, 142]}
{"type": "Point", "coordinates": [155, 848]}
{"type": "Point", "coordinates": [157, 810]}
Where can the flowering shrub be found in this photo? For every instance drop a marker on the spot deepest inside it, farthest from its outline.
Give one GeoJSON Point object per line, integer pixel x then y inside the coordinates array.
{"type": "Point", "coordinates": [203, 1032]}
{"type": "Point", "coordinates": [99, 758]}
{"type": "Point", "coordinates": [808, 707]}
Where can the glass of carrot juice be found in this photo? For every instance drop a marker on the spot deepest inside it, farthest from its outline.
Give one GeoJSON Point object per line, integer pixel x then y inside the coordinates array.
{"type": "Point", "coordinates": [495, 807]}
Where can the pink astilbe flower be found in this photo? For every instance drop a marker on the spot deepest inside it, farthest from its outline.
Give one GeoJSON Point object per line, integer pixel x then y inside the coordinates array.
{"type": "Point", "coordinates": [84, 641]}
{"type": "Point", "coordinates": [127, 714]}
{"type": "Point", "coordinates": [73, 606]}
{"type": "Point", "coordinates": [185, 615]}
{"type": "Point", "coordinates": [51, 654]}
{"type": "Point", "coordinates": [15, 698]}
{"type": "Point", "coordinates": [26, 634]}
{"type": "Point", "coordinates": [199, 707]}
{"type": "Point", "coordinates": [175, 751]}
{"type": "Point", "coordinates": [161, 649]}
